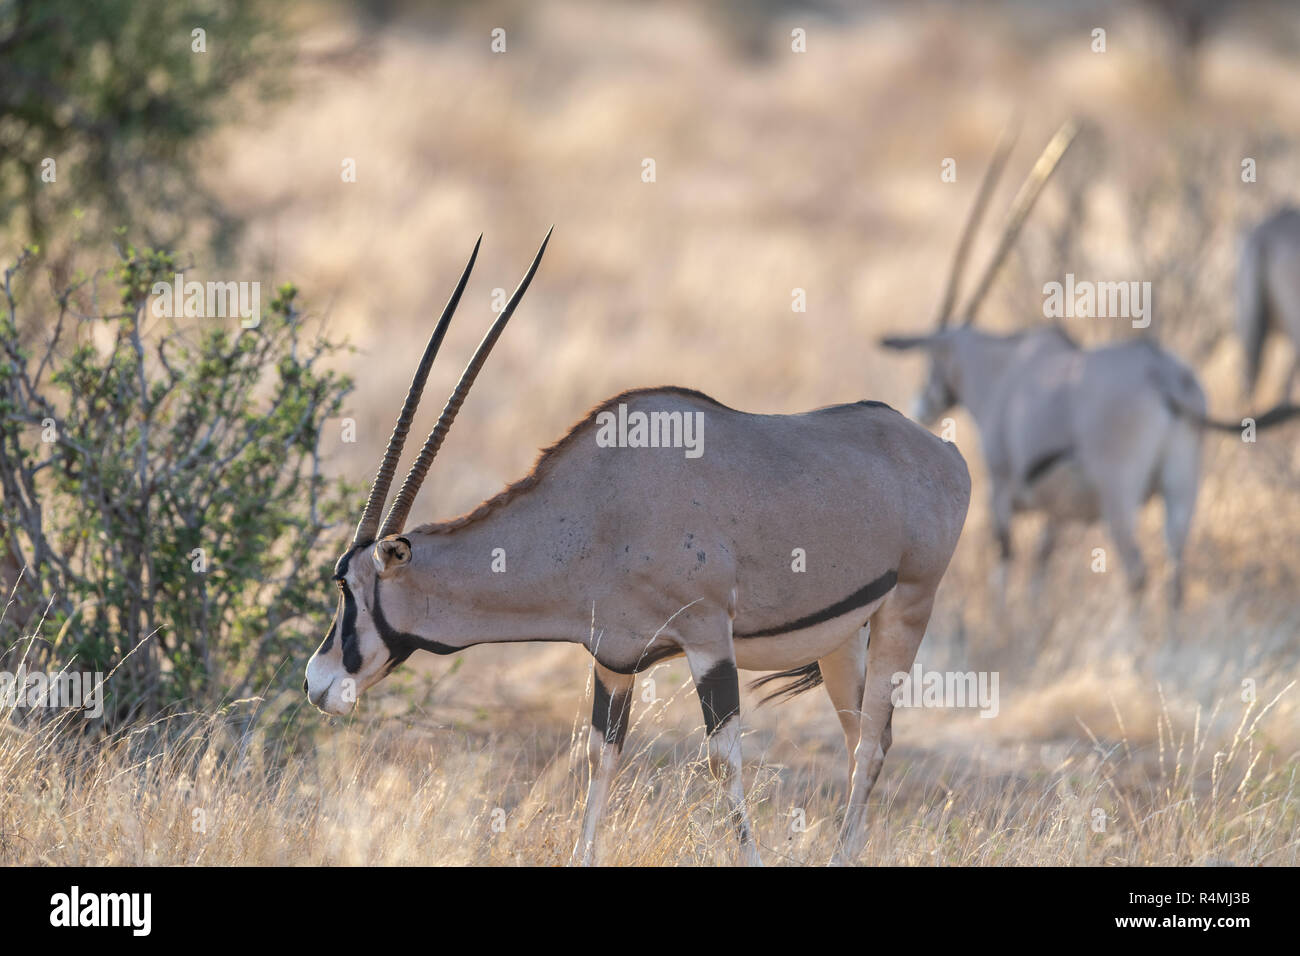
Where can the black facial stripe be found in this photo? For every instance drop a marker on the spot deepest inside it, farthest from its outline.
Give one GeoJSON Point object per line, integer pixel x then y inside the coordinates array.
{"type": "Point", "coordinates": [341, 616]}
{"type": "Point", "coordinates": [609, 713]}
{"type": "Point", "coordinates": [719, 692]}
{"type": "Point", "coordinates": [341, 566]}
{"type": "Point", "coordinates": [859, 598]}
{"type": "Point", "coordinates": [400, 644]}
{"type": "Point", "coordinates": [351, 648]}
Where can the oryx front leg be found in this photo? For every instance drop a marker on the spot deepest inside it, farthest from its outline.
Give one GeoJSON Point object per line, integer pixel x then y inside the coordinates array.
{"type": "Point", "coordinates": [1179, 480]}
{"type": "Point", "coordinates": [1043, 555]}
{"type": "Point", "coordinates": [718, 685]}
{"type": "Point", "coordinates": [1119, 508]}
{"type": "Point", "coordinates": [610, 713]}
{"type": "Point", "coordinates": [896, 632]}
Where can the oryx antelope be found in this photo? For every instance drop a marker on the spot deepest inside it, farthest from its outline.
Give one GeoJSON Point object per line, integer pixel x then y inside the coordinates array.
{"type": "Point", "coordinates": [1268, 291]}
{"type": "Point", "coordinates": [1079, 434]}
{"type": "Point", "coordinates": [645, 553]}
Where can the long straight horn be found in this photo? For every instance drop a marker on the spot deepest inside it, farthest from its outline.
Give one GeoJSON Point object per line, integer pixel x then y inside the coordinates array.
{"type": "Point", "coordinates": [369, 523]}
{"type": "Point", "coordinates": [990, 180]}
{"type": "Point", "coordinates": [395, 520]}
{"type": "Point", "coordinates": [1020, 207]}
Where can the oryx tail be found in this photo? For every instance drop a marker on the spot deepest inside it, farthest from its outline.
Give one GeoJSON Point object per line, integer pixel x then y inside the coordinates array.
{"type": "Point", "coordinates": [1186, 400]}
{"type": "Point", "coordinates": [801, 679]}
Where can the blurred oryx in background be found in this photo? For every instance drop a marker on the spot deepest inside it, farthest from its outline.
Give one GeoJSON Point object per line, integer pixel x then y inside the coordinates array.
{"type": "Point", "coordinates": [1079, 434]}
{"type": "Point", "coordinates": [1268, 291]}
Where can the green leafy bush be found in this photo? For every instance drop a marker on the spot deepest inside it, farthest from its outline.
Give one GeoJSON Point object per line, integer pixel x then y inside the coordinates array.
{"type": "Point", "coordinates": [103, 104]}
{"type": "Point", "coordinates": [162, 489]}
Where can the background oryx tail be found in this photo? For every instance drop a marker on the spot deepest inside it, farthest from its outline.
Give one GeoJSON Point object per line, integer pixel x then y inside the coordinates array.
{"type": "Point", "coordinates": [1187, 401]}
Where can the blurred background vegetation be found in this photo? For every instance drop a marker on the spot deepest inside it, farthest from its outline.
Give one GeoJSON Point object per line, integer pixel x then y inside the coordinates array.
{"type": "Point", "coordinates": [161, 483]}
{"type": "Point", "coordinates": [776, 170]}
{"type": "Point", "coordinates": [118, 94]}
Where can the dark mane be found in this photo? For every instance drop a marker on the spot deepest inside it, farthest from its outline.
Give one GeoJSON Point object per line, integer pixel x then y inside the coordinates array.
{"type": "Point", "coordinates": [849, 406]}
{"type": "Point", "coordinates": [530, 480]}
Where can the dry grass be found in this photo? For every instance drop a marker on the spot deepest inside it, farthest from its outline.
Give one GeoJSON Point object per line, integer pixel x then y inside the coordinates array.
{"type": "Point", "coordinates": [1090, 761]}
{"type": "Point", "coordinates": [190, 791]}
{"type": "Point", "coordinates": [818, 172]}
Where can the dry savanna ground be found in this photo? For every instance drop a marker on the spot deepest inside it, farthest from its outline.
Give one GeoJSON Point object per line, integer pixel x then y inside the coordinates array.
{"type": "Point", "coordinates": [1124, 734]}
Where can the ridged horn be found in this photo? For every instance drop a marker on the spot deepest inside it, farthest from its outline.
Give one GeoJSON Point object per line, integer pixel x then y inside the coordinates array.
{"type": "Point", "coordinates": [991, 176]}
{"type": "Point", "coordinates": [369, 522]}
{"type": "Point", "coordinates": [395, 520]}
{"type": "Point", "coordinates": [1020, 207]}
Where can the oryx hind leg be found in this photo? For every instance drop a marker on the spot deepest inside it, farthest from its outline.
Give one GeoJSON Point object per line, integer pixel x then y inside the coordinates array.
{"type": "Point", "coordinates": [1286, 302]}
{"type": "Point", "coordinates": [718, 686]}
{"type": "Point", "coordinates": [844, 674]}
{"type": "Point", "coordinates": [1003, 508]}
{"type": "Point", "coordinates": [1120, 510]}
{"type": "Point", "coordinates": [611, 711]}
{"type": "Point", "coordinates": [1179, 484]}
{"type": "Point", "coordinates": [896, 631]}
{"type": "Point", "coordinates": [1121, 453]}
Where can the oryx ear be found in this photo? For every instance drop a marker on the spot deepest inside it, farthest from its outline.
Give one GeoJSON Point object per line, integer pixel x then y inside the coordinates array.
{"type": "Point", "coordinates": [391, 554]}
{"type": "Point", "coordinates": [907, 341]}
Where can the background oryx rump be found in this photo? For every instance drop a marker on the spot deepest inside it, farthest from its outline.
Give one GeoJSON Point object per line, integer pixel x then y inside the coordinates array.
{"type": "Point", "coordinates": [645, 553]}
{"type": "Point", "coordinates": [1268, 291]}
{"type": "Point", "coordinates": [1079, 434]}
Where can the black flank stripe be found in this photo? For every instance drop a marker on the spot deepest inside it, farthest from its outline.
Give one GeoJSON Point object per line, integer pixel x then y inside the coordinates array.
{"type": "Point", "coordinates": [1044, 464]}
{"type": "Point", "coordinates": [860, 598]}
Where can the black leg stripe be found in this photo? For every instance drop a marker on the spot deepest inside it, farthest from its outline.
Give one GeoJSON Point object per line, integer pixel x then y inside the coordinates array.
{"type": "Point", "coordinates": [609, 714]}
{"type": "Point", "coordinates": [719, 692]}
{"type": "Point", "coordinates": [859, 598]}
